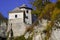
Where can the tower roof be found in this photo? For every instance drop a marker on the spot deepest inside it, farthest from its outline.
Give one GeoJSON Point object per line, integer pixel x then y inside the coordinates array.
{"type": "Point", "coordinates": [25, 6]}
{"type": "Point", "coordinates": [18, 9]}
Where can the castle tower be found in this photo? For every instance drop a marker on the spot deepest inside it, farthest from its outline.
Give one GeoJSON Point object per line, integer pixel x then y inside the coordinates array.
{"type": "Point", "coordinates": [18, 18]}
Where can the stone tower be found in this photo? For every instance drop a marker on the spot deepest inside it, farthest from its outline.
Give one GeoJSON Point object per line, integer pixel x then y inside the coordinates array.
{"type": "Point", "coordinates": [18, 18]}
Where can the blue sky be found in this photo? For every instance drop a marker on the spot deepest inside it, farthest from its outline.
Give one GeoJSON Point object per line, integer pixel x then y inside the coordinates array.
{"type": "Point", "coordinates": [8, 5]}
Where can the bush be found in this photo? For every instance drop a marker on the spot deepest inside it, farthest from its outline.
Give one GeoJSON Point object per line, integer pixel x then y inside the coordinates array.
{"type": "Point", "coordinates": [20, 38]}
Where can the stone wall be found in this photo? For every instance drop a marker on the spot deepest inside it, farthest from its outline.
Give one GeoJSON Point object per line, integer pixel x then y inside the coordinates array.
{"type": "Point", "coordinates": [18, 27]}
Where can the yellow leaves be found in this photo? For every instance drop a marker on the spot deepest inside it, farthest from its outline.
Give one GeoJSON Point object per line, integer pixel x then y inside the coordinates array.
{"type": "Point", "coordinates": [47, 11]}
{"type": "Point", "coordinates": [49, 7]}
{"type": "Point", "coordinates": [58, 0]}
{"type": "Point", "coordinates": [54, 14]}
{"type": "Point", "coordinates": [37, 3]}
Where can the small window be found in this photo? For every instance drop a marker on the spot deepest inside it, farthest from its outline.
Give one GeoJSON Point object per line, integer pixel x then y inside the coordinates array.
{"type": "Point", "coordinates": [15, 16]}
{"type": "Point", "coordinates": [27, 11]}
